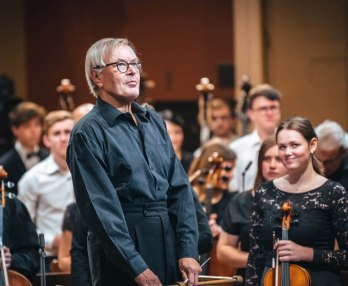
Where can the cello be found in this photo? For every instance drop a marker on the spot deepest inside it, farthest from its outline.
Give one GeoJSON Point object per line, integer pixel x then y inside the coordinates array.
{"type": "Point", "coordinates": [10, 277]}
{"type": "Point", "coordinates": [215, 267]}
{"type": "Point", "coordinates": [287, 274]}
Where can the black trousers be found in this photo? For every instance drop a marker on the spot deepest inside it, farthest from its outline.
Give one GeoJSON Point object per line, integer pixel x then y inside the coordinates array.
{"type": "Point", "coordinates": [152, 234]}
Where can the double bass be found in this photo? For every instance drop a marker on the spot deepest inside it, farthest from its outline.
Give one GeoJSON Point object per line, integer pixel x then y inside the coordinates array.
{"type": "Point", "coordinates": [10, 277]}
{"type": "Point", "coordinates": [287, 274]}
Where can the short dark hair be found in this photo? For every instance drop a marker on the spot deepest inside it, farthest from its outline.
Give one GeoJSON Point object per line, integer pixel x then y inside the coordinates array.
{"type": "Point", "coordinates": [218, 103]}
{"type": "Point", "coordinates": [26, 111]}
{"type": "Point", "coordinates": [169, 115]}
{"type": "Point", "coordinates": [265, 90]}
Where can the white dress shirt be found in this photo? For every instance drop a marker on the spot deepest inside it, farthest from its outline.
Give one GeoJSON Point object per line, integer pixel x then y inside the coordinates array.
{"type": "Point", "coordinates": [247, 150]}
{"type": "Point", "coordinates": [46, 191]}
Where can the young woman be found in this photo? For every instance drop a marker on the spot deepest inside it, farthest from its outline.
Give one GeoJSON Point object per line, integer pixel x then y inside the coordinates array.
{"type": "Point", "coordinates": [319, 212]}
{"type": "Point", "coordinates": [216, 184]}
{"type": "Point", "coordinates": [233, 245]}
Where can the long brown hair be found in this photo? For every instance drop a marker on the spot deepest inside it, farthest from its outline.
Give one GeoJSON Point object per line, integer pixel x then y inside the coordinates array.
{"type": "Point", "coordinates": [202, 163]}
{"type": "Point", "coordinates": [305, 128]}
{"type": "Point", "coordinates": [268, 143]}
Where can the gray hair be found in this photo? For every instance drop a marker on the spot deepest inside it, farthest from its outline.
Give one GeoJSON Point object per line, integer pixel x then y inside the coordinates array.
{"type": "Point", "coordinates": [331, 131]}
{"type": "Point", "coordinates": [100, 52]}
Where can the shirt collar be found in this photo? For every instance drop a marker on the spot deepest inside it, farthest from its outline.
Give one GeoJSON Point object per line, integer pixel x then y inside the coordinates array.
{"type": "Point", "coordinates": [255, 138]}
{"type": "Point", "coordinates": [52, 167]}
{"type": "Point", "coordinates": [23, 152]}
{"type": "Point", "coordinates": [111, 114]}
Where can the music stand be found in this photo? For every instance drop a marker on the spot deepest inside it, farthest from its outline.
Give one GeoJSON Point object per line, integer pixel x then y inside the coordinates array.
{"type": "Point", "coordinates": [42, 259]}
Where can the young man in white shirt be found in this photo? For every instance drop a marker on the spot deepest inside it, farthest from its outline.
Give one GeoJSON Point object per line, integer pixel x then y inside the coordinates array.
{"type": "Point", "coordinates": [47, 188]}
{"type": "Point", "coordinates": [264, 112]}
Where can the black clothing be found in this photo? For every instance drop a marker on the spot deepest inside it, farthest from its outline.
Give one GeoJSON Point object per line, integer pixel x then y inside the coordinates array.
{"type": "Point", "coordinates": [69, 217]}
{"type": "Point", "coordinates": [80, 271]}
{"type": "Point", "coordinates": [114, 163]}
{"type": "Point", "coordinates": [205, 240]}
{"type": "Point", "coordinates": [19, 235]}
{"type": "Point", "coordinates": [341, 175]}
{"type": "Point", "coordinates": [14, 166]}
{"type": "Point", "coordinates": [236, 220]}
{"type": "Point", "coordinates": [221, 205]}
{"type": "Point", "coordinates": [79, 255]}
{"type": "Point", "coordinates": [319, 217]}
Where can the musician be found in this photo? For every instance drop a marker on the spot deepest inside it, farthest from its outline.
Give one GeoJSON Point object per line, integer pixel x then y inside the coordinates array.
{"type": "Point", "coordinates": [175, 127]}
{"type": "Point", "coordinates": [319, 212]}
{"type": "Point", "coordinates": [26, 125]}
{"type": "Point", "coordinates": [47, 188]}
{"type": "Point", "coordinates": [332, 151]}
{"type": "Point", "coordinates": [20, 239]}
{"type": "Point", "coordinates": [130, 188]}
{"type": "Point", "coordinates": [221, 122]}
{"type": "Point", "coordinates": [264, 112]}
{"type": "Point", "coordinates": [233, 245]}
{"type": "Point", "coordinates": [220, 196]}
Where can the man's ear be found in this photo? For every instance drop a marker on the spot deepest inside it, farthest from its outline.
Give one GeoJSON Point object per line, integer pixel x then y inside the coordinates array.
{"type": "Point", "coordinates": [95, 78]}
{"type": "Point", "coordinates": [46, 141]}
{"type": "Point", "coordinates": [250, 114]}
{"type": "Point", "coordinates": [15, 131]}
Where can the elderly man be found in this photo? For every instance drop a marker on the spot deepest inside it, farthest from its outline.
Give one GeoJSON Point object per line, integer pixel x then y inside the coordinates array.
{"type": "Point", "coordinates": [332, 151]}
{"type": "Point", "coordinates": [130, 187]}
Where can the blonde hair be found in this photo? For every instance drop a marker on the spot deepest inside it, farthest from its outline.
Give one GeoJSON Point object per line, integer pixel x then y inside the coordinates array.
{"type": "Point", "coordinates": [53, 117]}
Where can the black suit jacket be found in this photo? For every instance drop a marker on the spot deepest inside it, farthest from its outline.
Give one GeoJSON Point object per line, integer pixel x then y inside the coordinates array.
{"type": "Point", "coordinates": [14, 166]}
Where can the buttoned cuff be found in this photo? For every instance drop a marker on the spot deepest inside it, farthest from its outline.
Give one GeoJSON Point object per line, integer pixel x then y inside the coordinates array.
{"type": "Point", "coordinates": [137, 265]}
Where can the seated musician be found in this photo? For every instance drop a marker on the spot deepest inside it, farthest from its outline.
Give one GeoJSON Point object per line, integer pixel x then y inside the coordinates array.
{"type": "Point", "coordinates": [220, 196]}
{"type": "Point", "coordinates": [20, 240]}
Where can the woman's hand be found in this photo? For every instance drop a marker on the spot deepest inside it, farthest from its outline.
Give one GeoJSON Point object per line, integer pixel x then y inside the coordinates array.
{"type": "Point", "coordinates": [8, 256]}
{"type": "Point", "coordinates": [214, 227]}
{"type": "Point", "coordinates": [290, 251]}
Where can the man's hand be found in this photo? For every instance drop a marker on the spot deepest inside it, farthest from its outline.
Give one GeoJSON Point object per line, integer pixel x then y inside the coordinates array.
{"type": "Point", "coordinates": [147, 278]}
{"type": "Point", "coordinates": [8, 257]}
{"type": "Point", "coordinates": [190, 270]}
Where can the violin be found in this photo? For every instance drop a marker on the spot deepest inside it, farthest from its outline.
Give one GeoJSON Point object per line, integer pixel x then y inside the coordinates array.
{"type": "Point", "coordinates": [287, 274]}
{"type": "Point", "coordinates": [212, 179]}
{"type": "Point", "coordinates": [10, 277]}
{"type": "Point", "coordinates": [215, 267]}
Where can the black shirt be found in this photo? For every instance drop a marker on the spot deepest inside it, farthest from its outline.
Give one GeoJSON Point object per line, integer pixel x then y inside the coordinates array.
{"type": "Point", "coordinates": [113, 161]}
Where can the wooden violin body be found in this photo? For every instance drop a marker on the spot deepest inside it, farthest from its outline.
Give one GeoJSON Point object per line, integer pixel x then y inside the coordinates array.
{"type": "Point", "coordinates": [298, 276]}
{"type": "Point", "coordinates": [17, 279]}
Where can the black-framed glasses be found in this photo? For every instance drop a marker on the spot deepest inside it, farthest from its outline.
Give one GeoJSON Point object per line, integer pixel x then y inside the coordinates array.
{"type": "Point", "coordinates": [123, 66]}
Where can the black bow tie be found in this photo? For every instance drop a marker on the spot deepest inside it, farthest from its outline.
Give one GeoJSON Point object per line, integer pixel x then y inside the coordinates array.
{"type": "Point", "coordinates": [32, 154]}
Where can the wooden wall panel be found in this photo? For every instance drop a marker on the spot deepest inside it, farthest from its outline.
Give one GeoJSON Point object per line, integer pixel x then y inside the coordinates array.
{"type": "Point", "coordinates": [179, 42]}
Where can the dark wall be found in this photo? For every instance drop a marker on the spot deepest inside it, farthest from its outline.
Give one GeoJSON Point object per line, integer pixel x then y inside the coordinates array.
{"type": "Point", "coordinates": [179, 42]}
